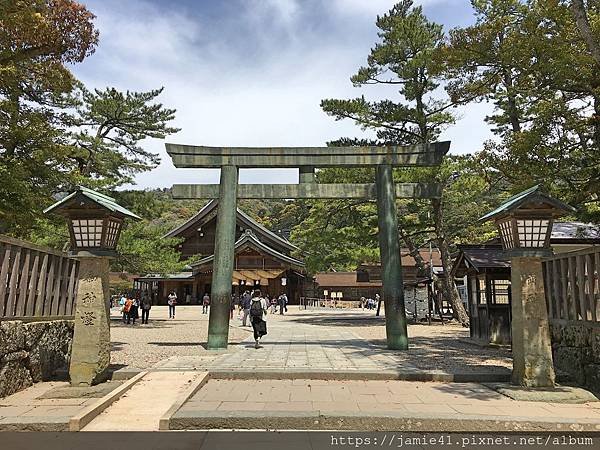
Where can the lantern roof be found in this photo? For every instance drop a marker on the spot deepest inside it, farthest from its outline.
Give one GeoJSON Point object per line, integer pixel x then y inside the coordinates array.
{"type": "Point", "coordinates": [531, 195]}
{"type": "Point", "coordinates": [101, 200]}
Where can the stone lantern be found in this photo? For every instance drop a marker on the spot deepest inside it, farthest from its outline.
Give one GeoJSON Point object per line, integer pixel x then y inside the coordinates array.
{"type": "Point", "coordinates": [524, 223]}
{"type": "Point", "coordinates": [95, 222]}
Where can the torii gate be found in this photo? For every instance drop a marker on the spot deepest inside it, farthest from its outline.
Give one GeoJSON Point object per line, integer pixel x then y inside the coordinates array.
{"type": "Point", "coordinates": [383, 158]}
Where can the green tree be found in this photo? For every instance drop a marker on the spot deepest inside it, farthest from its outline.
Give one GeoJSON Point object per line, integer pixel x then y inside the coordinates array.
{"type": "Point", "coordinates": [38, 39]}
{"type": "Point", "coordinates": [535, 61]}
{"type": "Point", "coordinates": [109, 126]}
{"type": "Point", "coordinates": [405, 57]}
{"type": "Point", "coordinates": [142, 249]}
{"type": "Point", "coordinates": [54, 133]}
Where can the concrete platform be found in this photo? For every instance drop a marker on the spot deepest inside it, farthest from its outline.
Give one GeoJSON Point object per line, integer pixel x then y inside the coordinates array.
{"type": "Point", "coordinates": [375, 405]}
{"type": "Point", "coordinates": [47, 406]}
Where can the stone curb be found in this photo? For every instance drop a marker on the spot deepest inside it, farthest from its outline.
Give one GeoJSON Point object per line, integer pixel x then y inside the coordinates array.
{"type": "Point", "coordinates": [126, 373]}
{"type": "Point", "coordinates": [31, 423]}
{"type": "Point", "coordinates": [286, 374]}
{"type": "Point", "coordinates": [77, 422]}
{"type": "Point", "coordinates": [370, 421]}
{"type": "Point", "coordinates": [163, 423]}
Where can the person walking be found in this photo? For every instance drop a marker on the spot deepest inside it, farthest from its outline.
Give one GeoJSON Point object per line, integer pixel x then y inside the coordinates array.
{"type": "Point", "coordinates": [146, 305]}
{"type": "Point", "coordinates": [246, 302]}
{"type": "Point", "coordinates": [232, 305]}
{"type": "Point", "coordinates": [205, 303]}
{"type": "Point", "coordinates": [285, 301]}
{"type": "Point", "coordinates": [281, 304]}
{"type": "Point", "coordinates": [273, 305]}
{"type": "Point", "coordinates": [127, 310]}
{"type": "Point", "coordinates": [122, 302]}
{"type": "Point", "coordinates": [172, 302]}
{"type": "Point", "coordinates": [134, 310]}
{"type": "Point", "coordinates": [258, 316]}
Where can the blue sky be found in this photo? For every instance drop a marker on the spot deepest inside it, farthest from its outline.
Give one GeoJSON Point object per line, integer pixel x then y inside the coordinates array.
{"type": "Point", "coordinates": [251, 72]}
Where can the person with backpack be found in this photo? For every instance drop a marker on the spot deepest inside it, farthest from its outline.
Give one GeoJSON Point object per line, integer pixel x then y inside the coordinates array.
{"type": "Point", "coordinates": [258, 316]}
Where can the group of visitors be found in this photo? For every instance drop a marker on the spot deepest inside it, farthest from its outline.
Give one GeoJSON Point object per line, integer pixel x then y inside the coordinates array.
{"type": "Point", "coordinates": [131, 306]}
{"type": "Point", "coordinates": [369, 303]}
{"type": "Point", "coordinates": [253, 308]}
{"type": "Point", "coordinates": [245, 301]}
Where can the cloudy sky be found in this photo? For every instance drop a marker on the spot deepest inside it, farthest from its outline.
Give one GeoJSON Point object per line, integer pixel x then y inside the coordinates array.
{"type": "Point", "coordinates": [251, 72]}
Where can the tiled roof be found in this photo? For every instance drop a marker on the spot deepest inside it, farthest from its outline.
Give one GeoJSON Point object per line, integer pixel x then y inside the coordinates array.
{"type": "Point", "coordinates": [533, 194]}
{"type": "Point", "coordinates": [97, 197]}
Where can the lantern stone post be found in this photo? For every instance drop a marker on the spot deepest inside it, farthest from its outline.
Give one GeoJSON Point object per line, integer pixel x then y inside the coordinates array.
{"type": "Point", "coordinates": [90, 351]}
{"type": "Point", "coordinates": [525, 225]}
{"type": "Point", "coordinates": [95, 222]}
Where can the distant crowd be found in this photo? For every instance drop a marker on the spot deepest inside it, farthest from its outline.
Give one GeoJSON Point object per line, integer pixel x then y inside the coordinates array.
{"type": "Point", "coordinates": [132, 305]}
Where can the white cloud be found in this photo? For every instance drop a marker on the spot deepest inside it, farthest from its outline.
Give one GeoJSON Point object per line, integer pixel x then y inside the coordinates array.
{"type": "Point", "coordinates": [233, 88]}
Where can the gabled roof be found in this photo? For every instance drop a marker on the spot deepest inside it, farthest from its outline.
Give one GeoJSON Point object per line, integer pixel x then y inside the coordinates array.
{"type": "Point", "coordinates": [481, 257]}
{"type": "Point", "coordinates": [531, 195]}
{"type": "Point", "coordinates": [98, 198]}
{"type": "Point", "coordinates": [242, 217]}
{"type": "Point", "coordinates": [249, 240]}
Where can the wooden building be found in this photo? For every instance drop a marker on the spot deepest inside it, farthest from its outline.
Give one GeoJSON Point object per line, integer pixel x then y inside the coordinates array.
{"type": "Point", "coordinates": [366, 282]}
{"type": "Point", "coordinates": [263, 259]}
{"type": "Point", "coordinates": [486, 271]}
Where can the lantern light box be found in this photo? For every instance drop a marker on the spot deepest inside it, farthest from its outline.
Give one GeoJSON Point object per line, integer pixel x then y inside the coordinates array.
{"type": "Point", "coordinates": [525, 221]}
{"type": "Point", "coordinates": [95, 221]}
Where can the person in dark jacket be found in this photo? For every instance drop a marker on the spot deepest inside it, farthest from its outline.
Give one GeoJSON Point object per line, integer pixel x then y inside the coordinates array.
{"type": "Point", "coordinates": [146, 304]}
{"type": "Point", "coordinates": [258, 316]}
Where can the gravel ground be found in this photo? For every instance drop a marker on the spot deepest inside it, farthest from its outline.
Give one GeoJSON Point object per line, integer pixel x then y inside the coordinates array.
{"type": "Point", "coordinates": [433, 346]}
{"type": "Point", "coordinates": [143, 346]}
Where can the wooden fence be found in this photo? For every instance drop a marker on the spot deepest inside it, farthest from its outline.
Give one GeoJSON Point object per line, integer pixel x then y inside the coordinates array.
{"type": "Point", "coordinates": [572, 284]}
{"type": "Point", "coordinates": [35, 282]}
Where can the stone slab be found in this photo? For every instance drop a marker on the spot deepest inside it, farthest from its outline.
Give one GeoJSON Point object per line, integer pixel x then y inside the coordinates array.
{"type": "Point", "coordinates": [35, 423]}
{"type": "Point", "coordinates": [72, 392]}
{"type": "Point", "coordinates": [195, 386]}
{"type": "Point", "coordinates": [358, 374]}
{"type": "Point", "coordinates": [126, 373]}
{"type": "Point", "coordinates": [85, 416]}
{"type": "Point", "coordinates": [560, 394]}
{"type": "Point", "coordinates": [371, 421]}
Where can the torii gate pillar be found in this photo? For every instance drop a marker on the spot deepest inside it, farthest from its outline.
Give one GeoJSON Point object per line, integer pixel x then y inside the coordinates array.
{"type": "Point", "coordinates": [218, 323]}
{"type": "Point", "coordinates": [389, 249]}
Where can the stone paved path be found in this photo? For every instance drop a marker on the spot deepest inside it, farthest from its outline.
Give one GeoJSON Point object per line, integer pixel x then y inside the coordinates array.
{"type": "Point", "coordinates": [295, 346]}
{"type": "Point", "coordinates": [141, 408]}
{"type": "Point", "coordinates": [374, 405]}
